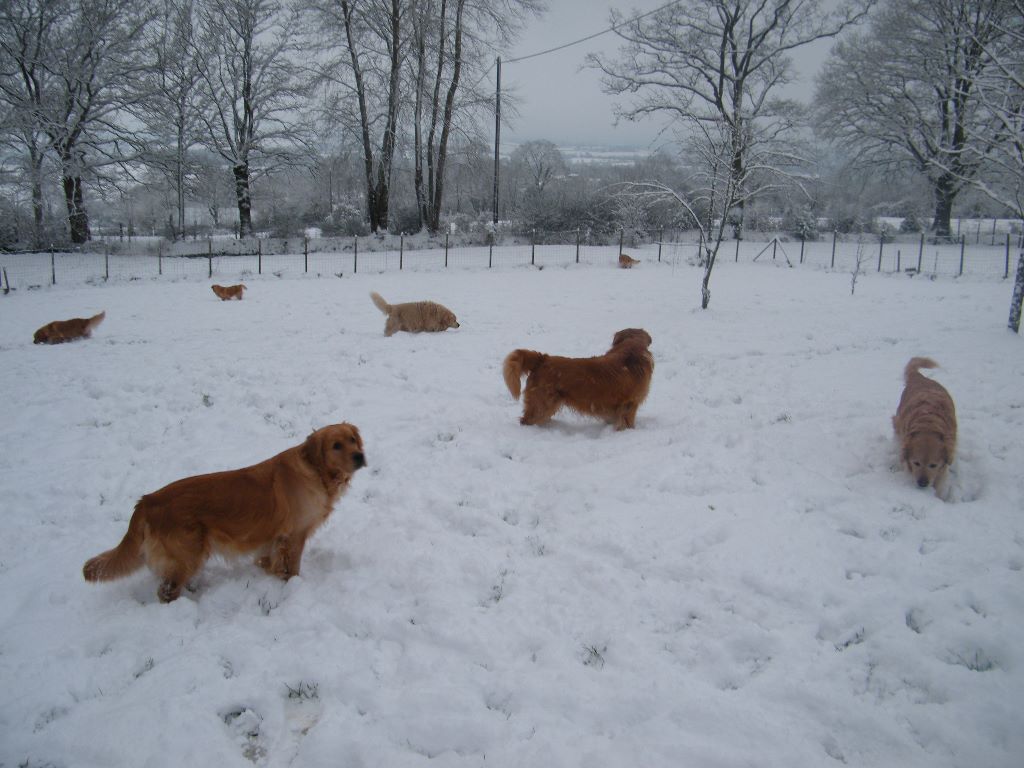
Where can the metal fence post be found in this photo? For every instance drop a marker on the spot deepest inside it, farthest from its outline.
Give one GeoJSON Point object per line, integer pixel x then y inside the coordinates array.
{"type": "Point", "coordinates": [775, 245]}
{"type": "Point", "coordinates": [533, 245]}
{"type": "Point", "coordinates": [53, 267]}
{"type": "Point", "coordinates": [355, 254]}
{"type": "Point", "coordinates": [490, 254]}
{"type": "Point", "coordinates": [446, 250]}
{"type": "Point", "coordinates": [736, 259]}
{"type": "Point", "coordinates": [209, 264]}
{"type": "Point", "coordinates": [401, 250]}
{"type": "Point", "coordinates": [622, 235]}
{"type": "Point", "coordinates": [106, 263]}
{"type": "Point", "coordinates": [305, 254]}
{"type": "Point", "coordinates": [801, 249]}
{"type": "Point", "coordinates": [898, 254]}
{"type": "Point", "coordinates": [963, 240]}
{"type": "Point", "coordinates": [920, 252]}
{"type": "Point", "coordinates": [577, 245]}
{"type": "Point", "coordinates": [160, 258]}
{"type": "Point", "coordinates": [835, 234]}
{"type": "Point", "coordinates": [661, 238]}
{"type": "Point", "coordinates": [1006, 272]}
{"type": "Point", "coordinates": [881, 245]}
{"type": "Point", "coordinates": [259, 256]}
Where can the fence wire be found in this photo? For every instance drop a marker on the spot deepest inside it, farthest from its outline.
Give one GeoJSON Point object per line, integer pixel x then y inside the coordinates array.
{"type": "Point", "coordinates": [231, 260]}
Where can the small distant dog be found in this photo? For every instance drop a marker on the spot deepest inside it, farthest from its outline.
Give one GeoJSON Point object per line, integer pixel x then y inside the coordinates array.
{"type": "Point", "coordinates": [415, 316]}
{"type": "Point", "coordinates": [270, 508]}
{"type": "Point", "coordinates": [60, 331]}
{"type": "Point", "coordinates": [925, 425]}
{"type": "Point", "coordinates": [626, 261]}
{"type": "Point", "coordinates": [610, 387]}
{"type": "Point", "coordinates": [228, 292]}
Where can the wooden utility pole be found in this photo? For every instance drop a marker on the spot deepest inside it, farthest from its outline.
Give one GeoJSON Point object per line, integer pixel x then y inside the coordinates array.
{"type": "Point", "coordinates": [497, 138]}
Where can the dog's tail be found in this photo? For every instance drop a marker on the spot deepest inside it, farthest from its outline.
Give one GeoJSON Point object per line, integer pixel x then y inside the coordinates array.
{"type": "Point", "coordinates": [917, 363]}
{"type": "Point", "coordinates": [94, 321]}
{"type": "Point", "coordinates": [517, 364]}
{"type": "Point", "coordinates": [123, 559]}
{"type": "Point", "coordinates": [378, 300]}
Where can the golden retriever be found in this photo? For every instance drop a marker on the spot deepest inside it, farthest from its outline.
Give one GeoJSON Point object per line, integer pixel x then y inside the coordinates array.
{"type": "Point", "coordinates": [60, 331]}
{"type": "Point", "coordinates": [415, 316]}
{"type": "Point", "coordinates": [270, 508]}
{"type": "Point", "coordinates": [925, 425]}
{"type": "Point", "coordinates": [626, 261]}
{"type": "Point", "coordinates": [610, 387]}
{"type": "Point", "coordinates": [228, 292]}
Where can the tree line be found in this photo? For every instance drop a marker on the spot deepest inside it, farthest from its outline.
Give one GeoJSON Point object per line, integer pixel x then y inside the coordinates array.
{"type": "Point", "coordinates": [106, 92]}
{"type": "Point", "coordinates": [221, 100]}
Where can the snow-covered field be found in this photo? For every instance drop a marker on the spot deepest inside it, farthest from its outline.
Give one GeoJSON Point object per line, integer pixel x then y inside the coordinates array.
{"type": "Point", "coordinates": [746, 579]}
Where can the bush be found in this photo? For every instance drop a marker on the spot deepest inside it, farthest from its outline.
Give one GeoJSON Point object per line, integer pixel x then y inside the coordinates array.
{"type": "Point", "coordinates": [911, 223]}
{"type": "Point", "coordinates": [801, 224]}
{"type": "Point", "coordinates": [404, 220]}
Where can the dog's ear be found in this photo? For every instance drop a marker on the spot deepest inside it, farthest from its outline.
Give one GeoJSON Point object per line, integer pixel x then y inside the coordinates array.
{"type": "Point", "coordinates": [313, 450]}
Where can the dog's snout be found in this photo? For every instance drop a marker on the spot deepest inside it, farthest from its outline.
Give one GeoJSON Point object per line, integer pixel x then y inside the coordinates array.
{"type": "Point", "coordinates": [359, 459]}
{"type": "Point", "coordinates": [922, 482]}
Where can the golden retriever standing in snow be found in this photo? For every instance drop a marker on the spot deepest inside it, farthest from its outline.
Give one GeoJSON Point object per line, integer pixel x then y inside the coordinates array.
{"type": "Point", "coordinates": [270, 508]}
{"type": "Point", "coordinates": [925, 425]}
{"type": "Point", "coordinates": [610, 386]}
{"type": "Point", "coordinates": [415, 316]}
{"type": "Point", "coordinates": [228, 292]}
{"type": "Point", "coordinates": [626, 261]}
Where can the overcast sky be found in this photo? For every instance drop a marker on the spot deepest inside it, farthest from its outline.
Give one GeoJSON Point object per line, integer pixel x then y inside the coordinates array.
{"type": "Point", "coordinates": [563, 103]}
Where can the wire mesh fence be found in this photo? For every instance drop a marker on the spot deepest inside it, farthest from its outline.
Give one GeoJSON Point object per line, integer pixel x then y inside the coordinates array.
{"type": "Point", "coordinates": [322, 257]}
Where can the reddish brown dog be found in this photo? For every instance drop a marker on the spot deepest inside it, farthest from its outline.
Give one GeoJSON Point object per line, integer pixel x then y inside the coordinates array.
{"type": "Point", "coordinates": [270, 508]}
{"type": "Point", "coordinates": [626, 261]}
{"type": "Point", "coordinates": [228, 292]}
{"type": "Point", "coordinates": [925, 425]}
{"type": "Point", "coordinates": [60, 331]}
{"type": "Point", "coordinates": [610, 387]}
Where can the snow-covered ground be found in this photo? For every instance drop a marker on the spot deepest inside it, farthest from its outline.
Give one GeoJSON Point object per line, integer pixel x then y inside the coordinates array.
{"type": "Point", "coordinates": [746, 579]}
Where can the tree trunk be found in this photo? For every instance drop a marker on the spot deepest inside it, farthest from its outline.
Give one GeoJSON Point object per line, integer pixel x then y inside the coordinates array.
{"type": "Point", "coordinates": [179, 179]}
{"type": "Point", "coordinates": [78, 219]}
{"type": "Point", "coordinates": [944, 193]}
{"type": "Point", "coordinates": [705, 291]}
{"type": "Point", "coordinates": [241, 172]}
{"type": "Point", "coordinates": [37, 199]}
{"type": "Point", "coordinates": [449, 105]}
{"type": "Point", "coordinates": [1018, 296]}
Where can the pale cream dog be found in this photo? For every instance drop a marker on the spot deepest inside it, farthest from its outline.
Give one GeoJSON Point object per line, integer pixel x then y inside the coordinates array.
{"type": "Point", "coordinates": [415, 316]}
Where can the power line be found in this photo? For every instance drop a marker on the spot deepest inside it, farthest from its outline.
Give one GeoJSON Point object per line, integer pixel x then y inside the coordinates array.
{"type": "Point", "coordinates": [577, 42]}
{"type": "Point", "coordinates": [591, 37]}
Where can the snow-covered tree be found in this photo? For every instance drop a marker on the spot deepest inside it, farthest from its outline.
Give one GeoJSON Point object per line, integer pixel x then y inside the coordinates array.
{"type": "Point", "coordinates": [904, 92]}
{"type": "Point", "coordinates": [254, 90]}
{"type": "Point", "coordinates": [714, 67]}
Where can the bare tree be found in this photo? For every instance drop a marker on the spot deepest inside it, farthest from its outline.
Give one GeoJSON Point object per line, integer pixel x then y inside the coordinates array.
{"type": "Point", "coordinates": [364, 44]}
{"type": "Point", "coordinates": [254, 91]}
{"type": "Point", "coordinates": [27, 42]}
{"type": "Point", "coordinates": [172, 109]}
{"type": "Point", "coordinates": [713, 67]}
{"type": "Point", "coordinates": [541, 160]}
{"type": "Point", "coordinates": [1001, 95]}
{"type": "Point", "coordinates": [904, 92]}
{"type": "Point", "coordinates": [79, 62]}
{"type": "Point", "coordinates": [453, 41]}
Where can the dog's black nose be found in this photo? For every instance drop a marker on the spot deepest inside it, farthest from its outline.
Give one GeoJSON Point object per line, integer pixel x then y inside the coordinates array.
{"type": "Point", "coordinates": [359, 459]}
{"type": "Point", "coordinates": [922, 482]}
